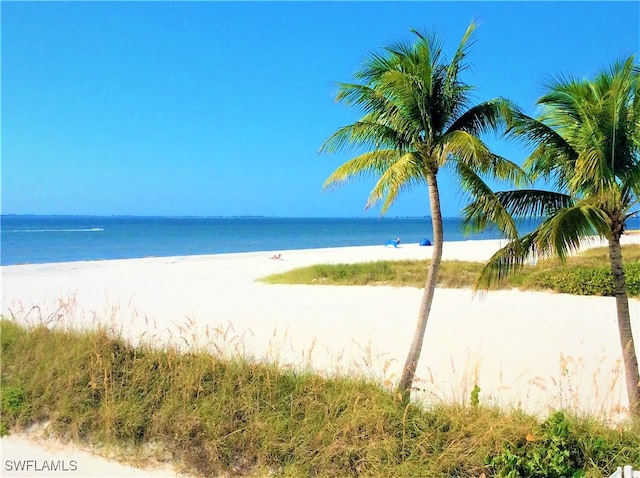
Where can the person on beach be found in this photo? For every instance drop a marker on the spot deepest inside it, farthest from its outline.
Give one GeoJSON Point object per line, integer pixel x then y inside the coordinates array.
{"type": "Point", "coordinates": [276, 257]}
{"type": "Point", "coordinates": [392, 242]}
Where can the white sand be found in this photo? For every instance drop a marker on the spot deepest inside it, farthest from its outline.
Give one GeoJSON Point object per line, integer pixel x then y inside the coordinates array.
{"type": "Point", "coordinates": [535, 350]}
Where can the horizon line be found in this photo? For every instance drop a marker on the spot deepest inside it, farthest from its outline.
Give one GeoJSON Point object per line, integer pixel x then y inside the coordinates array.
{"type": "Point", "coordinates": [220, 216]}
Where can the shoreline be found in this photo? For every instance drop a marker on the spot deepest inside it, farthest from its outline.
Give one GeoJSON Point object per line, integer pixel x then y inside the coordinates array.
{"type": "Point", "coordinates": [532, 350]}
{"type": "Point", "coordinates": [456, 251]}
{"type": "Point", "coordinates": [257, 252]}
{"type": "Point", "coordinates": [629, 235]}
{"type": "Point", "coordinates": [130, 237]}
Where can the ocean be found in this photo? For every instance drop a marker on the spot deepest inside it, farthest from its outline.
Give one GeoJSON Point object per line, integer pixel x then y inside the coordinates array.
{"type": "Point", "coordinates": [43, 239]}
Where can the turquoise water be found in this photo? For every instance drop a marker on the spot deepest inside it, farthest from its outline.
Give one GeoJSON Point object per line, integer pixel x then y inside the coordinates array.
{"type": "Point", "coordinates": [42, 239]}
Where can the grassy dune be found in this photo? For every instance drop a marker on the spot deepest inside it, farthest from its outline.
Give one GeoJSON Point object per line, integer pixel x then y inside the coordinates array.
{"type": "Point", "coordinates": [584, 274]}
{"type": "Point", "coordinates": [226, 415]}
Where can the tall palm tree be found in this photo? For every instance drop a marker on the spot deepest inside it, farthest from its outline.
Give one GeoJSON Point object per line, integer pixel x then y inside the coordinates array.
{"type": "Point", "coordinates": [417, 120]}
{"type": "Point", "coordinates": [587, 143]}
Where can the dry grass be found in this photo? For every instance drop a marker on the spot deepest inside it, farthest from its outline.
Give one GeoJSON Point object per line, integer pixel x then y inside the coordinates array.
{"type": "Point", "coordinates": [218, 413]}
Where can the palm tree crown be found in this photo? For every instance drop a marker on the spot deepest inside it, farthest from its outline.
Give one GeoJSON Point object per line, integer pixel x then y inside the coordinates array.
{"type": "Point", "coordinates": [416, 117]}
{"type": "Point", "coordinates": [587, 143]}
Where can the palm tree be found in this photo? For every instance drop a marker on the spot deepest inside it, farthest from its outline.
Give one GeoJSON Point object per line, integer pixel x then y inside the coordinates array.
{"type": "Point", "coordinates": [587, 143]}
{"type": "Point", "coordinates": [417, 121]}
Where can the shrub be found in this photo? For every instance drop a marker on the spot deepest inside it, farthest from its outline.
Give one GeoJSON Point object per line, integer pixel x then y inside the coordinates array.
{"type": "Point", "coordinates": [561, 447]}
{"type": "Point", "coordinates": [585, 280]}
{"type": "Point", "coordinates": [13, 403]}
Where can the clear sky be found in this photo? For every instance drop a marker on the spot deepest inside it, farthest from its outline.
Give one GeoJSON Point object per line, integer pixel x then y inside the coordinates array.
{"type": "Point", "coordinates": [219, 108]}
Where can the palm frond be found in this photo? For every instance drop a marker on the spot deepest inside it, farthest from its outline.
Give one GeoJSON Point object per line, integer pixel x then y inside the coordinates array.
{"type": "Point", "coordinates": [462, 146]}
{"type": "Point", "coordinates": [534, 133]}
{"type": "Point", "coordinates": [456, 66]}
{"type": "Point", "coordinates": [558, 236]}
{"type": "Point", "coordinates": [486, 208]}
{"type": "Point", "coordinates": [505, 170]}
{"type": "Point", "coordinates": [585, 136]}
{"type": "Point", "coordinates": [486, 117]}
{"type": "Point", "coordinates": [507, 261]}
{"type": "Point", "coordinates": [370, 164]}
{"type": "Point", "coordinates": [562, 233]}
{"type": "Point", "coordinates": [415, 118]}
{"type": "Point", "coordinates": [466, 147]}
{"type": "Point", "coordinates": [532, 203]}
{"type": "Point", "coordinates": [367, 98]}
{"type": "Point", "coordinates": [362, 134]}
{"type": "Point", "coordinates": [403, 174]}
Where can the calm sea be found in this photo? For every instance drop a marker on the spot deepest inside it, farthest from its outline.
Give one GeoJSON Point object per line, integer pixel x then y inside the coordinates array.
{"type": "Point", "coordinates": [42, 239]}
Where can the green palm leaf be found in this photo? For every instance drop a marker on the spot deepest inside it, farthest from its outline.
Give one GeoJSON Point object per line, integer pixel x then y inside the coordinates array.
{"type": "Point", "coordinates": [486, 208]}
{"type": "Point", "coordinates": [531, 203]}
{"type": "Point", "coordinates": [371, 164]}
{"type": "Point", "coordinates": [401, 175]}
{"type": "Point", "coordinates": [507, 260]}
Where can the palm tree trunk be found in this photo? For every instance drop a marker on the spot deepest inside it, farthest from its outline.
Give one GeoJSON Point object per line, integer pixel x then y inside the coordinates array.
{"type": "Point", "coordinates": [624, 325]}
{"type": "Point", "coordinates": [409, 370]}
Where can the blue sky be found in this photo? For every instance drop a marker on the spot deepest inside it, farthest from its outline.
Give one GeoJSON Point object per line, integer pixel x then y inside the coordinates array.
{"type": "Point", "coordinates": [219, 108]}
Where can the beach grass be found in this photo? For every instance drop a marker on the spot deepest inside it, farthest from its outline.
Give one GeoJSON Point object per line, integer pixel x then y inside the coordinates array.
{"type": "Point", "coordinates": [586, 273]}
{"type": "Point", "coordinates": [217, 415]}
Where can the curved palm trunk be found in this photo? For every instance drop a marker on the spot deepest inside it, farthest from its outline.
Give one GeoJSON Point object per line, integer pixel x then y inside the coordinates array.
{"type": "Point", "coordinates": [624, 326]}
{"type": "Point", "coordinates": [409, 370]}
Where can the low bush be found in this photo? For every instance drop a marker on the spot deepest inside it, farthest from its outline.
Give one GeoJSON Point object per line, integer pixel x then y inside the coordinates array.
{"type": "Point", "coordinates": [562, 447]}
{"type": "Point", "coordinates": [584, 280]}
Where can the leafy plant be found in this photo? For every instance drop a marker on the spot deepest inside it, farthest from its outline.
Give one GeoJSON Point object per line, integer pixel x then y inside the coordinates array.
{"type": "Point", "coordinates": [475, 396]}
{"type": "Point", "coordinates": [13, 402]}
{"type": "Point", "coordinates": [554, 449]}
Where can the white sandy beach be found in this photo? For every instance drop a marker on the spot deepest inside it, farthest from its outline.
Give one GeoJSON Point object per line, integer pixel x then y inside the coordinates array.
{"type": "Point", "coordinates": [534, 350]}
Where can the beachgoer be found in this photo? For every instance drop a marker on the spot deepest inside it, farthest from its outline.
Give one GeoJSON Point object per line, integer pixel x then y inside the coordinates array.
{"type": "Point", "coordinates": [276, 257]}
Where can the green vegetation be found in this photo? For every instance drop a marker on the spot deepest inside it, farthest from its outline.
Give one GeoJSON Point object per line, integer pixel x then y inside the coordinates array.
{"type": "Point", "coordinates": [452, 274]}
{"type": "Point", "coordinates": [556, 448]}
{"type": "Point", "coordinates": [588, 273]}
{"type": "Point", "coordinates": [217, 415]}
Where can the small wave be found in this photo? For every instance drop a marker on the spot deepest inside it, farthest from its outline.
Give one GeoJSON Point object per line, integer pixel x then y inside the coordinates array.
{"type": "Point", "coordinates": [93, 229]}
